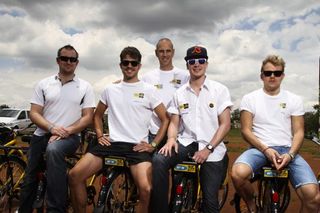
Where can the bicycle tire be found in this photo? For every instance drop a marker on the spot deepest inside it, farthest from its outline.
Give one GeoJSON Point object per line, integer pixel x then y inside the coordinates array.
{"type": "Point", "coordinates": [18, 166]}
{"type": "Point", "coordinates": [186, 201]}
{"type": "Point", "coordinates": [121, 194]}
{"type": "Point", "coordinates": [223, 194]}
{"type": "Point", "coordinates": [265, 198]}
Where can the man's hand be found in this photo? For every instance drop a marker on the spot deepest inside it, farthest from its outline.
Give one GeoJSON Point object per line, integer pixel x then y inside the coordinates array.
{"type": "Point", "coordinates": [104, 140]}
{"type": "Point", "coordinates": [143, 147]}
{"type": "Point", "coordinates": [54, 138]}
{"type": "Point", "coordinates": [60, 131]}
{"type": "Point", "coordinates": [279, 161]}
{"type": "Point", "coordinates": [284, 160]}
{"type": "Point", "coordinates": [201, 156]}
{"type": "Point", "coordinates": [167, 148]}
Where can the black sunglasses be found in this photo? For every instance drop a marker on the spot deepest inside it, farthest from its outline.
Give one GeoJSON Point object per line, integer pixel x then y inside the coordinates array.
{"type": "Point", "coordinates": [199, 60]}
{"type": "Point", "coordinates": [276, 73]}
{"type": "Point", "coordinates": [66, 59]}
{"type": "Point", "coordinates": [133, 63]}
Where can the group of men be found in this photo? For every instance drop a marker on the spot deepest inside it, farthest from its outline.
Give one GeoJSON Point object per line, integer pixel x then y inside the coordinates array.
{"type": "Point", "coordinates": [159, 121]}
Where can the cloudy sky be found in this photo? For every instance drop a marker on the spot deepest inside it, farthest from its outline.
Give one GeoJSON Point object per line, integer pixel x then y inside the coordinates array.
{"type": "Point", "coordinates": [237, 34]}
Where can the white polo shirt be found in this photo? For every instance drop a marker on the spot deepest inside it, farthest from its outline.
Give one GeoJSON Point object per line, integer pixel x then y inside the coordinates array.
{"type": "Point", "coordinates": [199, 114]}
{"type": "Point", "coordinates": [166, 83]}
{"type": "Point", "coordinates": [130, 107]}
{"type": "Point", "coordinates": [272, 115]}
{"type": "Point", "coordinates": [62, 104]}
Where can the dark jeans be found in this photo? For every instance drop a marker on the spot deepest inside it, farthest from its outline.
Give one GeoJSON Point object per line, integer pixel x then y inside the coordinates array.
{"type": "Point", "coordinates": [56, 172]}
{"type": "Point", "coordinates": [211, 176]}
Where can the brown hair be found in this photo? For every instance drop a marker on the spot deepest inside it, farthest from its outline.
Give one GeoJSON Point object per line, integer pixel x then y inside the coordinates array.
{"type": "Point", "coordinates": [275, 60]}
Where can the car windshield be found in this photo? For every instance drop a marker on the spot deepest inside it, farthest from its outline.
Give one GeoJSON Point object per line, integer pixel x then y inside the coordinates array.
{"type": "Point", "coordinates": [8, 113]}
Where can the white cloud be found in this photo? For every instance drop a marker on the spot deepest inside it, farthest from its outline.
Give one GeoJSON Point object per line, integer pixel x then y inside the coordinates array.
{"type": "Point", "coordinates": [238, 35]}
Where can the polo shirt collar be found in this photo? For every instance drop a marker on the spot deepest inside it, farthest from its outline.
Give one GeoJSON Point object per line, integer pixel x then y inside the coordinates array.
{"type": "Point", "coordinates": [75, 78]}
{"type": "Point", "coordinates": [204, 85]}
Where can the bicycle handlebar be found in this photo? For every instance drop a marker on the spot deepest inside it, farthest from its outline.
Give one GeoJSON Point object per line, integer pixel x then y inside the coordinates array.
{"type": "Point", "coordinates": [23, 148]}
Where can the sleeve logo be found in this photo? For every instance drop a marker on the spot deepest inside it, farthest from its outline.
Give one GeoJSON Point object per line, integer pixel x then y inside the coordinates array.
{"type": "Point", "coordinates": [184, 106]}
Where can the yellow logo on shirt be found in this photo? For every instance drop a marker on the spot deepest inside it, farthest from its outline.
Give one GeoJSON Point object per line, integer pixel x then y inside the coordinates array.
{"type": "Point", "coordinates": [138, 95]}
{"type": "Point", "coordinates": [184, 106]}
{"type": "Point", "coordinates": [283, 105]}
{"type": "Point", "coordinates": [158, 86]}
{"type": "Point", "coordinates": [211, 105]}
{"type": "Point", "coordinates": [176, 81]}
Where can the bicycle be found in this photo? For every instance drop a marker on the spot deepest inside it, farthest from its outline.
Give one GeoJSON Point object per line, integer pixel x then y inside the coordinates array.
{"type": "Point", "coordinates": [187, 196]}
{"type": "Point", "coordinates": [118, 192]}
{"type": "Point", "coordinates": [12, 170]}
{"type": "Point", "coordinates": [273, 191]}
{"type": "Point", "coordinates": [12, 160]}
{"type": "Point", "coordinates": [71, 160]}
{"type": "Point", "coordinates": [8, 137]}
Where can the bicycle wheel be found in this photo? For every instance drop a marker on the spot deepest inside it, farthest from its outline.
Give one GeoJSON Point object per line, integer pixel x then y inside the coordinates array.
{"type": "Point", "coordinates": [121, 194]}
{"type": "Point", "coordinates": [183, 202]}
{"type": "Point", "coordinates": [266, 196]}
{"type": "Point", "coordinates": [281, 193]}
{"type": "Point", "coordinates": [223, 193]}
{"type": "Point", "coordinates": [8, 189]}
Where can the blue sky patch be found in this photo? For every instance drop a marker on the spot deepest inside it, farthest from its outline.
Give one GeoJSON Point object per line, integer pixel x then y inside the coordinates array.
{"type": "Point", "coordinates": [295, 43]}
{"type": "Point", "coordinates": [14, 13]}
{"type": "Point", "coordinates": [71, 31]}
{"type": "Point", "coordinates": [247, 24]}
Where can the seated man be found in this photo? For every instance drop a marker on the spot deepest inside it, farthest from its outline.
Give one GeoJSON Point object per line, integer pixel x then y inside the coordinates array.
{"type": "Point", "coordinates": [130, 106]}
{"type": "Point", "coordinates": [272, 123]}
{"type": "Point", "coordinates": [202, 107]}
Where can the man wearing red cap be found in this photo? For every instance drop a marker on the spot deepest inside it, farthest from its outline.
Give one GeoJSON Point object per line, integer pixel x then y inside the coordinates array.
{"type": "Point", "coordinates": [201, 109]}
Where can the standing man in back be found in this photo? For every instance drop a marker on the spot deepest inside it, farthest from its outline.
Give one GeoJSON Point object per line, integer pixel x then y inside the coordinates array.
{"type": "Point", "coordinates": [166, 79]}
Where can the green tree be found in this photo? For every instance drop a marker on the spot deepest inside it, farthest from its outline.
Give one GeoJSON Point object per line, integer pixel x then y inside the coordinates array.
{"type": "Point", "coordinates": [235, 118]}
{"type": "Point", "coordinates": [311, 123]}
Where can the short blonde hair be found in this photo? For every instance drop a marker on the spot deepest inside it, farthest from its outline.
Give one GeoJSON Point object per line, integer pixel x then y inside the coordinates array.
{"type": "Point", "coordinates": [275, 60]}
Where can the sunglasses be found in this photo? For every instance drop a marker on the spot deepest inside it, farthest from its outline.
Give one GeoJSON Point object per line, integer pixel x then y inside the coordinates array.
{"type": "Point", "coordinates": [276, 73]}
{"type": "Point", "coordinates": [66, 59]}
{"type": "Point", "coordinates": [198, 60]}
{"type": "Point", "coordinates": [133, 63]}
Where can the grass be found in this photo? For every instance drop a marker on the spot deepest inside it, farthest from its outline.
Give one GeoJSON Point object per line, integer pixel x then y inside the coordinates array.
{"type": "Point", "coordinates": [238, 145]}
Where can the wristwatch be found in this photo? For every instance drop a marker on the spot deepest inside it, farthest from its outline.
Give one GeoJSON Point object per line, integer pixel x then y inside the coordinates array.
{"type": "Point", "coordinates": [210, 147]}
{"type": "Point", "coordinates": [292, 155]}
{"type": "Point", "coordinates": [154, 144]}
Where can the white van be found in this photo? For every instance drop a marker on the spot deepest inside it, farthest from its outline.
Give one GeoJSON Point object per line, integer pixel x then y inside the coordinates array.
{"type": "Point", "coordinates": [14, 118]}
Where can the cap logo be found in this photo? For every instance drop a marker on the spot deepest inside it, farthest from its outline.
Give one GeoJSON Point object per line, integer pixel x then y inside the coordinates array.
{"type": "Point", "coordinates": [197, 50]}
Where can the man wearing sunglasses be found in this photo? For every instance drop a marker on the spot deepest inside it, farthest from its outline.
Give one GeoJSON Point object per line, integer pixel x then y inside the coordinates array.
{"type": "Point", "coordinates": [130, 105]}
{"type": "Point", "coordinates": [272, 123]}
{"type": "Point", "coordinates": [166, 79]}
{"type": "Point", "coordinates": [200, 119]}
{"type": "Point", "coordinates": [61, 106]}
